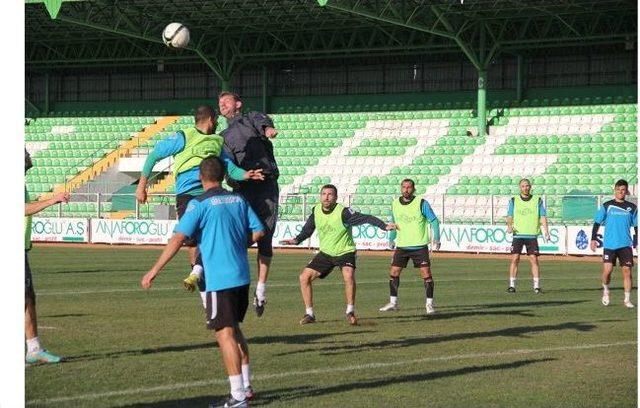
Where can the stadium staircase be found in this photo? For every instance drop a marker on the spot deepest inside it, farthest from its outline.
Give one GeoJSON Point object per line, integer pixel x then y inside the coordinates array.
{"type": "Point", "coordinates": [573, 147]}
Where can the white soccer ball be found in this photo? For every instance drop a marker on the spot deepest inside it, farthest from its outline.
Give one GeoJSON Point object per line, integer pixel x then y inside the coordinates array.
{"type": "Point", "coordinates": [175, 35]}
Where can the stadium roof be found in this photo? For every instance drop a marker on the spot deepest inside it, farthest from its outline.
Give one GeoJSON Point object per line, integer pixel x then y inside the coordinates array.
{"type": "Point", "coordinates": [229, 33]}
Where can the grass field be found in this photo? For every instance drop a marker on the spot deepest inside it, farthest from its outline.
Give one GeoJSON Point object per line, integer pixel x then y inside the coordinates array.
{"type": "Point", "coordinates": [484, 348]}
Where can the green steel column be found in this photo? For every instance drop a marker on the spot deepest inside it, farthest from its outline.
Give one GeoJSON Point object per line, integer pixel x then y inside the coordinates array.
{"type": "Point", "coordinates": [482, 103]}
{"type": "Point", "coordinates": [46, 93]}
{"type": "Point", "coordinates": [225, 83]}
{"type": "Point", "coordinates": [519, 78]}
{"type": "Point", "coordinates": [265, 97]}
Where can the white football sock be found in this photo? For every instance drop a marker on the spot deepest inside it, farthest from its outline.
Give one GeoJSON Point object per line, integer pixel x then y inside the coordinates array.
{"type": "Point", "coordinates": [350, 309]}
{"type": "Point", "coordinates": [429, 301]}
{"type": "Point", "coordinates": [536, 283]}
{"type": "Point", "coordinates": [605, 289]}
{"type": "Point", "coordinates": [261, 287]}
{"type": "Point", "coordinates": [393, 299]}
{"type": "Point", "coordinates": [197, 270]}
{"type": "Point", "coordinates": [309, 311]}
{"type": "Point", "coordinates": [33, 345]}
{"type": "Point", "coordinates": [627, 296]}
{"type": "Point", "coordinates": [512, 282]}
{"type": "Point", "coordinates": [237, 387]}
{"type": "Point", "coordinates": [246, 375]}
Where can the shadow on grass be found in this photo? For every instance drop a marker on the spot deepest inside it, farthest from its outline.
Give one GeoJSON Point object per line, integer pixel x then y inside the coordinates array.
{"type": "Point", "coordinates": [542, 303]}
{"type": "Point", "coordinates": [65, 315]}
{"type": "Point", "coordinates": [419, 315]}
{"type": "Point", "coordinates": [289, 339]}
{"type": "Point", "coordinates": [141, 352]}
{"type": "Point", "coordinates": [101, 270]}
{"type": "Point", "coordinates": [290, 394]}
{"type": "Point", "coordinates": [517, 332]}
{"type": "Point", "coordinates": [302, 338]}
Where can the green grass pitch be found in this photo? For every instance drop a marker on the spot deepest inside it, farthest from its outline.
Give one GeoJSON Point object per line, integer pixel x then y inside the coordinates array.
{"type": "Point", "coordinates": [484, 348]}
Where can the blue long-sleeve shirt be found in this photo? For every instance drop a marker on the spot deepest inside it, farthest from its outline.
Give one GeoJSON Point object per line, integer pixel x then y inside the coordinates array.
{"type": "Point", "coordinates": [187, 182]}
{"type": "Point", "coordinates": [431, 217]}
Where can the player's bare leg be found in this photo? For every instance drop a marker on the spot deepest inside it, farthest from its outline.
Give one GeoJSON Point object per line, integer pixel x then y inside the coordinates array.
{"type": "Point", "coordinates": [35, 352]}
{"type": "Point", "coordinates": [394, 285]}
{"type": "Point", "coordinates": [607, 269]}
{"type": "Point", "coordinates": [246, 368]}
{"type": "Point", "coordinates": [30, 319]}
{"type": "Point", "coordinates": [513, 272]}
{"type": "Point", "coordinates": [349, 277]}
{"type": "Point", "coordinates": [628, 285]}
{"type": "Point", "coordinates": [535, 272]}
{"type": "Point", "coordinates": [259, 298]}
{"type": "Point", "coordinates": [307, 276]}
{"type": "Point", "coordinates": [232, 358]}
{"type": "Point", "coordinates": [425, 272]}
{"type": "Point", "coordinates": [196, 274]}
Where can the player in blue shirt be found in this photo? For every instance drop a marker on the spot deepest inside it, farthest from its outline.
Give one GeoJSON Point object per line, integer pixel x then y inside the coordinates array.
{"type": "Point", "coordinates": [223, 225]}
{"type": "Point", "coordinates": [188, 147]}
{"type": "Point", "coordinates": [413, 219]}
{"type": "Point", "coordinates": [526, 219]}
{"type": "Point", "coordinates": [618, 216]}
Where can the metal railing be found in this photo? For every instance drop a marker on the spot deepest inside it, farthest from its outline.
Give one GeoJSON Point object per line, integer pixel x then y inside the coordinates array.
{"type": "Point", "coordinates": [488, 210]}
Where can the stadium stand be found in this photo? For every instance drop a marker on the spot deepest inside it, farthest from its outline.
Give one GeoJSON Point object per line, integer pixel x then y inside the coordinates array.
{"type": "Point", "coordinates": [366, 154]}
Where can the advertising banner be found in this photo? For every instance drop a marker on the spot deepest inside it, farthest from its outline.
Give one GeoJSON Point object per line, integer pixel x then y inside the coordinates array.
{"type": "Point", "coordinates": [579, 238]}
{"type": "Point", "coordinates": [365, 236]}
{"type": "Point", "coordinates": [131, 231]}
{"type": "Point", "coordinates": [60, 230]}
{"type": "Point", "coordinates": [494, 239]}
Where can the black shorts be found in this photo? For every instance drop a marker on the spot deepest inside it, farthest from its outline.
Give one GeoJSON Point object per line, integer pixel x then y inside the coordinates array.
{"type": "Point", "coordinates": [324, 263]}
{"type": "Point", "coordinates": [624, 256]}
{"type": "Point", "coordinates": [420, 257]}
{"type": "Point", "coordinates": [264, 202]}
{"type": "Point", "coordinates": [182, 200]}
{"type": "Point", "coordinates": [226, 308]}
{"type": "Point", "coordinates": [29, 293]}
{"type": "Point", "coordinates": [530, 243]}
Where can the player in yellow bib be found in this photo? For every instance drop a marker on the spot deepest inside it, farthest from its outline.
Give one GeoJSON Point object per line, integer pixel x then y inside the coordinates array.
{"type": "Point", "coordinates": [412, 217]}
{"type": "Point", "coordinates": [525, 217]}
{"type": "Point", "coordinates": [337, 249]}
{"type": "Point", "coordinates": [189, 147]}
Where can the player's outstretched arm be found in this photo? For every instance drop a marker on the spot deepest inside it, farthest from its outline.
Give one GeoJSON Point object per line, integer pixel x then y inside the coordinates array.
{"type": "Point", "coordinates": [256, 236]}
{"type": "Point", "coordinates": [141, 190]}
{"type": "Point", "coordinates": [353, 218]}
{"type": "Point", "coordinates": [510, 229]}
{"type": "Point", "coordinates": [169, 251]}
{"type": "Point", "coordinates": [435, 228]}
{"type": "Point", "coordinates": [37, 206]}
{"type": "Point", "coordinates": [305, 233]}
{"type": "Point", "coordinates": [545, 228]}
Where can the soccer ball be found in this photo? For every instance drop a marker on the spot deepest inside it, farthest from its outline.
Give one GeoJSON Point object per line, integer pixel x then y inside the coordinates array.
{"type": "Point", "coordinates": [175, 35]}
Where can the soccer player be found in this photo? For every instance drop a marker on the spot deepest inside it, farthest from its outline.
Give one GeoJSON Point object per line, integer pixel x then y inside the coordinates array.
{"type": "Point", "coordinates": [618, 216]}
{"type": "Point", "coordinates": [337, 249]}
{"type": "Point", "coordinates": [412, 217]}
{"type": "Point", "coordinates": [246, 139]}
{"type": "Point", "coordinates": [189, 147]}
{"type": "Point", "coordinates": [35, 352]}
{"type": "Point", "coordinates": [525, 215]}
{"type": "Point", "coordinates": [222, 223]}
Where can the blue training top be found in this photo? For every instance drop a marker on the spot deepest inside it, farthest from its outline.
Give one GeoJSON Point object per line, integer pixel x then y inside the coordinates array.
{"type": "Point", "coordinates": [220, 222]}
{"type": "Point", "coordinates": [618, 219]}
{"type": "Point", "coordinates": [187, 181]}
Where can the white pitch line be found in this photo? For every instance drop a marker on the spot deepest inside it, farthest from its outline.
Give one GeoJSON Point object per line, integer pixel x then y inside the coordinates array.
{"type": "Point", "coordinates": [293, 285]}
{"type": "Point", "coordinates": [173, 387]}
